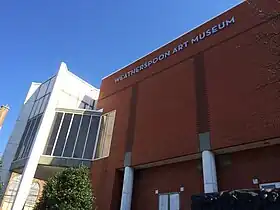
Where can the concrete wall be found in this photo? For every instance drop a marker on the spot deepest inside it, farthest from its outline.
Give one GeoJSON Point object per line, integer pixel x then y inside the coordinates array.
{"type": "Point", "coordinates": [74, 90]}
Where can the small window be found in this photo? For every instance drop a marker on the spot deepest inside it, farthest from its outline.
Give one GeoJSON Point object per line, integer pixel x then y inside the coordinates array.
{"type": "Point", "coordinates": [169, 201]}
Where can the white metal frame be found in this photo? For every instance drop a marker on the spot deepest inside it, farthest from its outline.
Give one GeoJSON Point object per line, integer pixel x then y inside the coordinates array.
{"type": "Point", "coordinates": [87, 136]}
{"type": "Point", "coordinates": [78, 133]}
{"type": "Point", "coordinates": [58, 131]}
{"type": "Point", "coordinates": [66, 138]}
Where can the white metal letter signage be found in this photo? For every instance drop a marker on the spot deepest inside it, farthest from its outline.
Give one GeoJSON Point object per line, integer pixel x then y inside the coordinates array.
{"type": "Point", "coordinates": [209, 32]}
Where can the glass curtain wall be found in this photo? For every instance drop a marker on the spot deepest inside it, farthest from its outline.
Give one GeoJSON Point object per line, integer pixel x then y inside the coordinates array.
{"type": "Point", "coordinates": [81, 135]}
{"type": "Point", "coordinates": [73, 135]}
{"type": "Point", "coordinates": [42, 95]}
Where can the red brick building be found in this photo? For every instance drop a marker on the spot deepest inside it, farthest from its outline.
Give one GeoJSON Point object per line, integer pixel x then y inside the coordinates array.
{"type": "Point", "coordinates": [211, 95]}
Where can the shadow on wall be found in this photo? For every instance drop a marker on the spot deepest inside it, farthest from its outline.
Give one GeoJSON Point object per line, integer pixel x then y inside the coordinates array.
{"type": "Point", "coordinates": [87, 103]}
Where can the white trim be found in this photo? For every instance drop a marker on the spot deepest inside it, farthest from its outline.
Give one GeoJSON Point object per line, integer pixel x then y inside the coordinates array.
{"type": "Point", "coordinates": [58, 131]}
{"type": "Point", "coordinates": [66, 157]}
{"type": "Point", "coordinates": [196, 27]}
{"type": "Point", "coordinates": [66, 138]}
{"type": "Point", "coordinates": [79, 111]}
{"type": "Point", "coordinates": [100, 158]}
{"type": "Point", "coordinates": [82, 116]}
{"type": "Point", "coordinates": [87, 136]}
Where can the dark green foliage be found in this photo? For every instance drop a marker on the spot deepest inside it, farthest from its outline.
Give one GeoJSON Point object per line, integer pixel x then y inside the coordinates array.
{"type": "Point", "coordinates": [68, 190]}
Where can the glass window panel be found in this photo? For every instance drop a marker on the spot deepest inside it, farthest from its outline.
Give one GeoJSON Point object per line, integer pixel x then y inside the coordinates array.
{"type": "Point", "coordinates": [91, 137]}
{"type": "Point", "coordinates": [52, 137]}
{"type": "Point", "coordinates": [28, 135]}
{"type": "Point", "coordinates": [32, 137]}
{"type": "Point", "coordinates": [163, 202]}
{"type": "Point", "coordinates": [72, 136]}
{"type": "Point", "coordinates": [62, 135]}
{"type": "Point", "coordinates": [52, 81]}
{"type": "Point", "coordinates": [35, 94]}
{"type": "Point", "coordinates": [174, 201]}
{"type": "Point", "coordinates": [82, 137]}
{"type": "Point", "coordinates": [22, 139]}
{"type": "Point", "coordinates": [44, 104]}
{"type": "Point", "coordinates": [40, 101]}
{"type": "Point", "coordinates": [43, 89]}
{"type": "Point", "coordinates": [32, 114]}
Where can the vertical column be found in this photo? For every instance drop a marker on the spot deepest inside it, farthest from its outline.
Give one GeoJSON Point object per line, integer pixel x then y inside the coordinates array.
{"type": "Point", "coordinates": [209, 172]}
{"type": "Point", "coordinates": [203, 127]}
{"type": "Point", "coordinates": [126, 199]}
{"type": "Point", "coordinates": [39, 142]}
{"type": "Point", "coordinates": [127, 188]}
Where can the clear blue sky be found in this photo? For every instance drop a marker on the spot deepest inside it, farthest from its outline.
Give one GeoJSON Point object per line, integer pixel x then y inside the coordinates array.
{"type": "Point", "coordinates": [94, 38]}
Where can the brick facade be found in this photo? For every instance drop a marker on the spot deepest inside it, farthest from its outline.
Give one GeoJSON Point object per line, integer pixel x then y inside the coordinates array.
{"type": "Point", "coordinates": [224, 85]}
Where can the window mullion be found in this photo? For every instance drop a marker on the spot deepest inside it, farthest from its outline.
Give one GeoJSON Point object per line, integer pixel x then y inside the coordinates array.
{"type": "Point", "coordinates": [66, 138]}
{"type": "Point", "coordinates": [54, 145]}
{"type": "Point", "coordinates": [87, 136]}
{"type": "Point", "coordinates": [97, 137]}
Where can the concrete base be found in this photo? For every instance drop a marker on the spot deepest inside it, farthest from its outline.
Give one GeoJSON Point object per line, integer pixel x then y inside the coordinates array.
{"type": "Point", "coordinates": [209, 172]}
{"type": "Point", "coordinates": [127, 188]}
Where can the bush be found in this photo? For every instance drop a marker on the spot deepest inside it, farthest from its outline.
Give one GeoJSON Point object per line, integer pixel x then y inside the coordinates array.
{"type": "Point", "coordinates": [68, 190]}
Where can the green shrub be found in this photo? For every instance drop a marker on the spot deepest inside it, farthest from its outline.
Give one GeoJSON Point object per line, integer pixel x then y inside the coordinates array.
{"type": "Point", "coordinates": [68, 190]}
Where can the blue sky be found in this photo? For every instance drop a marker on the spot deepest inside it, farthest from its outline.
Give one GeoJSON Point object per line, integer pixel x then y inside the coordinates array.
{"type": "Point", "coordinates": [94, 38]}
